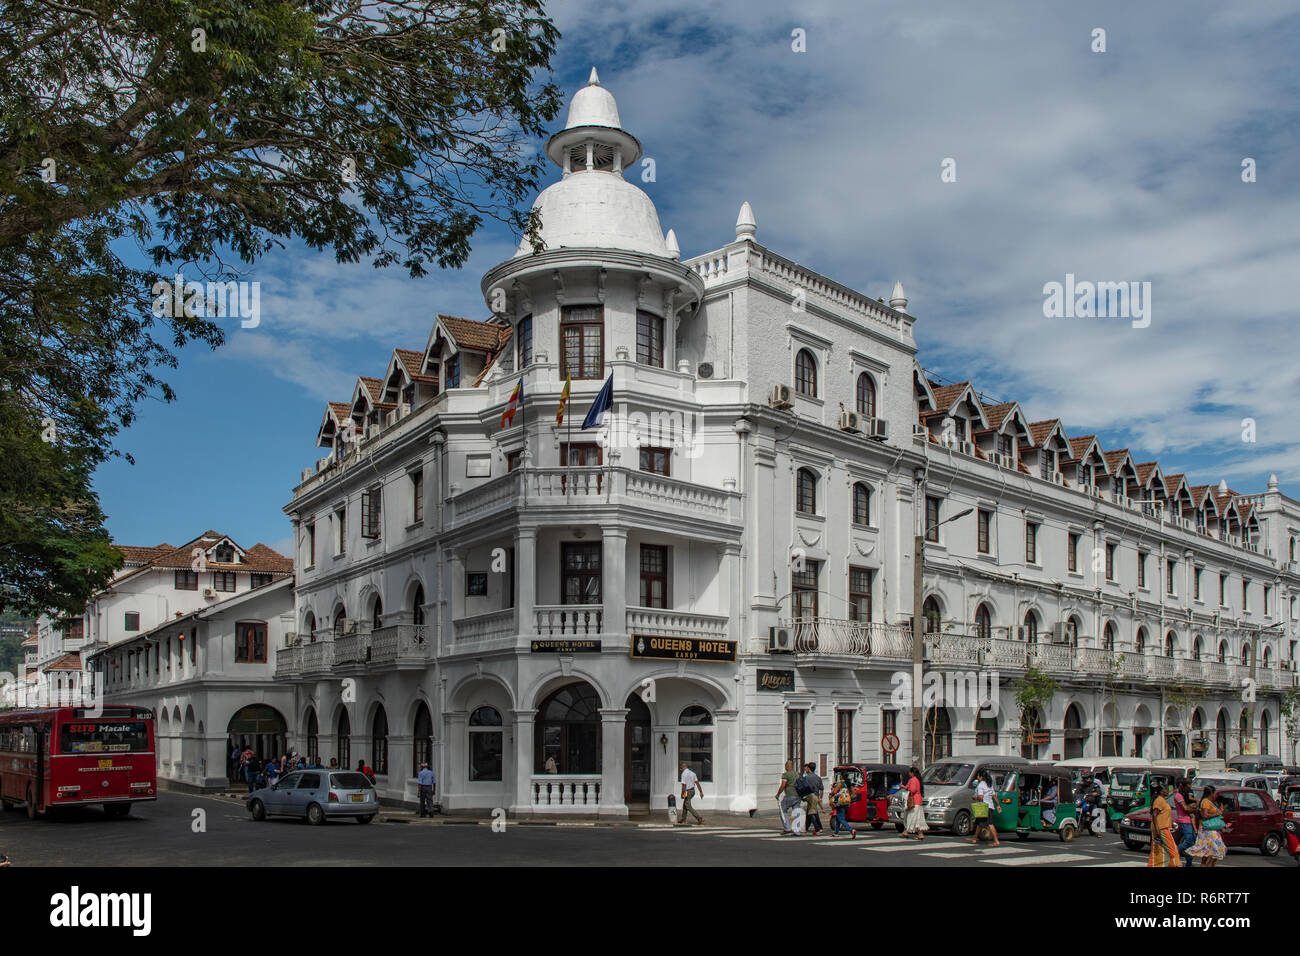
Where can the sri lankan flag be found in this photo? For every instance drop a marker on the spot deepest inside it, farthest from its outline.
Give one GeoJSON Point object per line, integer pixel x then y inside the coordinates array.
{"type": "Point", "coordinates": [512, 406]}
{"type": "Point", "coordinates": [564, 401]}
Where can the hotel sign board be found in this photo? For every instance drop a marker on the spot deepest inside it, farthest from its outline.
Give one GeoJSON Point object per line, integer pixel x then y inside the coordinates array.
{"type": "Point", "coordinates": [665, 648]}
{"type": "Point", "coordinates": [565, 647]}
{"type": "Point", "coordinates": [775, 680]}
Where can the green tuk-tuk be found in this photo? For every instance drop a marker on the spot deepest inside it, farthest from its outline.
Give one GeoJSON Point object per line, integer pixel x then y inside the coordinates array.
{"type": "Point", "coordinates": [1034, 799]}
{"type": "Point", "coordinates": [1130, 789]}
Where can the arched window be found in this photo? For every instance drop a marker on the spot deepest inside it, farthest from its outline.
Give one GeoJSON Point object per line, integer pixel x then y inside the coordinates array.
{"type": "Point", "coordinates": [1245, 655]}
{"type": "Point", "coordinates": [932, 616]}
{"type": "Point", "coordinates": [377, 615]}
{"type": "Point", "coordinates": [344, 737]}
{"type": "Point", "coordinates": [224, 554]}
{"type": "Point", "coordinates": [524, 336]}
{"type": "Point", "coordinates": [983, 622]}
{"type": "Point", "coordinates": [1072, 635]}
{"type": "Point", "coordinates": [1196, 648]}
{"type": "Point", "coordinates": [805, 373]}
{"type": "Point", "coordinates": [806, 491]}
{"type": "Point", "coordinates": [1108, 641]}
{"type": "Point", "coordinates": [313, 736]}
{"type": "Point", "coordinates": [1142, 640]}
{"type": "Point", "coordinates": [1265, 723]}
{"type": "Point", "coordinates": [1267, 658]}
{"type": "Point", "coordinates": [1221, 736]}
{"type": "Point", "coordinates": [1031, 627]}
{"type": "Point", "coordinates": [340, 620]}
{"type": "Point", "coordinates": [423, 737]}
{"type": "Point", "coordinates": [417, 605]}
{"type": "Point", "coordinates": [379, 742]}
{"type": "Point", "coordinates": [1171, 644]}
{"type": "Point", "coordinates": [1075, 735]}
{"type": "Point", "coordinates": [310, 624]}
{"type": "Point", "coordinates": [1243, 728]}
{"type": "Point", "coordinates": [567, 734]}
{"type": "Point", "coordinates": [866, 396]}
{"type": "Point", "coordinates": [1223, 652]}
{"type": "Point", "coordinates": [695, 744]}
{"type": "Point", "coordinates": [861, 504]}
{"type": "Point", "coordinates": [485, 748]}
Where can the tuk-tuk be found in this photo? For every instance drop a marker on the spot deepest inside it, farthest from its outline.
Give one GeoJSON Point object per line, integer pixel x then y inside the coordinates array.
{"type": "Point", "coordinates": [1033, 800]}
{"type": "Point", "coordinates": [1130, 788]}
{"type": "Point", "coordinates": [870, 784]}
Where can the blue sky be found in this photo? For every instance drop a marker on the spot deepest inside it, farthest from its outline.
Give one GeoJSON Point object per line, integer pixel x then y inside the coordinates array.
{"type": "Point", "coordinates": [1115, 166]}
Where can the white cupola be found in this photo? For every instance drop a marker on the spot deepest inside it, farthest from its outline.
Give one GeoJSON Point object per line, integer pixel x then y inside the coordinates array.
{"type": "Point", "coordinates": [593, 206]}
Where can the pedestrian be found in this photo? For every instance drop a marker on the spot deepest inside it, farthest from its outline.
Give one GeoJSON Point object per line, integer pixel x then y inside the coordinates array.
{"type": "Point", "coordinates": [690, 783]}
{"type": "Point", "coordinates": [914, 824]}
{"type": "Point", "coordinates": [1164, 848]}
{"type": "Point", "coordinates": [363, 767]}
{"type": "Point", "coordinates": [841, 800]}
{"type": "Point", "coordinates": [982, 809]}
{"type": "Point", "coordinates": [1208, 848]}
{"type": "Point", "coordinates": [1184, 803]}
{"type": "Point", "coordinates": [789, 780]}
{"type": "Point", "coordinates": [427, 783]}
{"type": "Point", "coordinates": [272, 771]}
{"type": "Point", "coordinates": [232, 766]}
{"type": "Point", "coordinates": [285, 763]}
{"type": "Point", "coordinates": [334, 763]}
{"type": "Point", "coordinates": [812, 811]}
{"type": "Point", "coordinates": [550, 764]}
{"type": "Point", "coordinates": [250, 769]}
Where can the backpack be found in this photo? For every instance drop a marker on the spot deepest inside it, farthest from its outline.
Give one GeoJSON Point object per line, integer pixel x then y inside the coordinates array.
{"type": "Point", "coordinates": [803, 786]}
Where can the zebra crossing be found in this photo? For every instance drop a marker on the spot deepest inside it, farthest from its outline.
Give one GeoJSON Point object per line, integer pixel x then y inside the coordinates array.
{"type": "Point", "coordinates": [894, 850]}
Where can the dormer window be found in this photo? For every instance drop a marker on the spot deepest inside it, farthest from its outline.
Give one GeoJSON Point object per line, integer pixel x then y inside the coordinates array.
{"type": "Point", "coordinates": [224, 554]}
{"type": "Point", "coordinates": [451, 371]}
{"type": "Point", "coordinates": [1045, 464]}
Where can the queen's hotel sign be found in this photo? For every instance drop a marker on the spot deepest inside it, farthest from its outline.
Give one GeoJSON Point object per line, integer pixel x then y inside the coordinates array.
{"type": "Point", "coordinates": [675, 648]}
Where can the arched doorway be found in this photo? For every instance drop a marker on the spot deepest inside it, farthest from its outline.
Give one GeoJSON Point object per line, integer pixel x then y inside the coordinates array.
{"type": "Point", "coordinates": [1200, 742]}
{"type": "Point", "coordinates": [695, 741]}
{"type": "Point", "coordinates": [313, 736]}
{"type": "Point", "coordinates": [930, 610]}
{"type": "Point", "coordinates": [567, 738]}
{"type": "Point", "coordinates": [637, 751]}
{"type": "Point", "coordinates": [1264, 727]}
{"type": "Point", "coordinates": [938, 734]}
{"type": "Point", "coordinates": [379, 741]}
{"type": "Point", "coordinates": [1221, 736]}
{"type": "Point", "coordinates": [344, 738]}
{"type": "Point", "coordinates": [1175, 740]}
{"type": "Point", "coordinates": [259, 727]}
{"type": "Point", "coordinates": [423, 737]}
{"type": "Point", "coordinates": [1075, 734]}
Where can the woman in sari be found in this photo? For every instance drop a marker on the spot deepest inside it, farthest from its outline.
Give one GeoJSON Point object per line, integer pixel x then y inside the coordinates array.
{"type": "Point", "coordinates": [1209, 842]}
{"type": "Point", "coordinates": [1164, 847]}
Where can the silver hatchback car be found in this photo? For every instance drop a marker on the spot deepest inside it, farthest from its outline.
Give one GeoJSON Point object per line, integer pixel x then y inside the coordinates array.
{"type": "Point", "coordinates": [317, 795]}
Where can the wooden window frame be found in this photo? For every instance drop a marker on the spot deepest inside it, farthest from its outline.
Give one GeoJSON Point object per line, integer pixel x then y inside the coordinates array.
{"type": "Point", "coordinates": [865, 397]}
{"type": "Point", "coordinates": [246, 644]}
{"type": "Point", "coordinates": [372, 513]}
{"type": "Point", "coordinates": [857, 593]}
{"type": "Point", "coordinates": [1031, 542]}
{"type": "Point", "coordinates": [647, 578]}
{"type": "Point", "coordinates": [652, 451]}
{"type": "Point", "coordinates": [801, 586]}
{"type": "Point", "coordinates": [933, 513]}
{"type": "Point", "coordinates": [983, 530]}
{"type": "Point", "coordinates": [649, 339]}
{"type": "Point", "coordinates": [182, 580]}
{"type": "Point", "coordinates": [804, 496]}
{"type": "Point", "coordinates": [861, 492]}
{"type": "Point", "coordinates": [219, 578]}
{"type": "Point", "coordinates": [805, 374]}
{"type": "Point", "coordinates": [590, 547]}
{"type": "Point", "coordinates": [585, 362]}
{"type": "Point", "coordinates": [524, 346]}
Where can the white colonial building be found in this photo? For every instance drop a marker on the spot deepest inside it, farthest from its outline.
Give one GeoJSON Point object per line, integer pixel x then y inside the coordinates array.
{"type": "Point", "coordinates": [722, 572]}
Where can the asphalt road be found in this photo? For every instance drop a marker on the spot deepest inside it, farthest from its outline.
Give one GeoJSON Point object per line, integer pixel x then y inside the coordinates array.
{"type": "Point", "coordinates": [163, 833]}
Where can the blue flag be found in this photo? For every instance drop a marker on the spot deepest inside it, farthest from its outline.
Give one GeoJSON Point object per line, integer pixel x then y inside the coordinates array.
{"type": "Point", "coordinates": [604, 401]}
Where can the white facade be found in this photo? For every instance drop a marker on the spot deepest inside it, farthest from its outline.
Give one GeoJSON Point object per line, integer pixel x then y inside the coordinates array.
{"type": "Point", "coordinates": [436, 544]}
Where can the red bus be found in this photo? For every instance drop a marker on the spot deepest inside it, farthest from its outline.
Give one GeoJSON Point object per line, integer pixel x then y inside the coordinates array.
{"type": "Point", "coordinates": [63, 757]}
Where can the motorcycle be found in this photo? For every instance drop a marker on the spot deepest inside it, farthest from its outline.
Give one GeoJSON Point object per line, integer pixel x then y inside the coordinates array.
{"type": "Point", "coordinates": [1088, 804]}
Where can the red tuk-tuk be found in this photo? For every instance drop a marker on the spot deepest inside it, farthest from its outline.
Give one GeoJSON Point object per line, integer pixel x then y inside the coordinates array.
{"type": "Point", "coordinates": [1290, 800]}
{"type": "Point", "coordinates": [870, 784]}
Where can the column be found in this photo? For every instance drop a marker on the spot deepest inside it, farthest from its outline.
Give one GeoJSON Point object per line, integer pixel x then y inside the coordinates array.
{"type": "Point", "coordinates": [526, 581]}
{"type": "Point", "coordinates": [613, 725]}
{"type": "Point", "coordinates": [401, 773]}
{"type": "Point", "coordinates": [614, 581]}
{"type": "Point", "coordinates": [735, 591]}
{"type": "Point", "coordinates": [455, 760]}
{"type": "Point", "coordinates": [726, 760]}
{"type": "Point", "coordinates": [523, 762]}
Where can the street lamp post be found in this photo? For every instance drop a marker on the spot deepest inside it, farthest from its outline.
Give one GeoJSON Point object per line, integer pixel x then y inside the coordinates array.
{"type": "Point", "coordinates": [918, 633]}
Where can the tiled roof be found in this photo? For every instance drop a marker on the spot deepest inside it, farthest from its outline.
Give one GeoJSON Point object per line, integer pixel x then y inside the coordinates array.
{"type": "Point", "coordinates": [30, 640]}
{"type": "Point", "coordinates": [1039, 431]}
{"type": "Point", "coordinates": [257, 558]}
{"type": "Point", "coordinates": [997, 414]}
{"type": "Point", "coordinates": [1144, 470]}
{"type": "Point", "coordinates": [342, 410]}
{"type": "Point", "coordinates": [413, 360]}
{"type": "Point", "coordinates": [68, 662]}
{"type": "Point", "coordinates": [374, 386]}
{"type": "Point", "coordinates": [142, 555]}
{"type": "Point", "coordinates": [471, 334]}
{"type": "Point", "coordinates": [945, 396]}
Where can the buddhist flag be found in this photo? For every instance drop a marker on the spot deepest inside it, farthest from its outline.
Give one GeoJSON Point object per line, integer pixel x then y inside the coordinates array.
{"type": "Point", "coordinates": [508, 416]}
{"type": "Point", "coordinates": [604, 401]}
{"type": "Point", "coordinates": [564, 401]}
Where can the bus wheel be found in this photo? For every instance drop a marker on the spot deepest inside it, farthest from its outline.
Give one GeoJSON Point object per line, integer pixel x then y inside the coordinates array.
{"type": "Point", "coordinates": [315, 815]}
{"type": "Point", "coordinates": [115, 811]}
{"type": "Point", "coordinates": [31, 803]}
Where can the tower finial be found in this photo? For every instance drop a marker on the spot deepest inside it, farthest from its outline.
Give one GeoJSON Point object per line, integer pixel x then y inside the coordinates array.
{"type": "Point", "coordinates": [670, 241]}
{"type": "Point", "coordinates": [898, 300]}
{"type": "Point", "coordinates": [593, 80]}
{"type": "Point", "coordinates": [745, 224]}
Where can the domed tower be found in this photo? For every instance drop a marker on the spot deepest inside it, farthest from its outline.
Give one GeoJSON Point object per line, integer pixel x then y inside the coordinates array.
{"type": "Point", "coordinates": [606, 291]}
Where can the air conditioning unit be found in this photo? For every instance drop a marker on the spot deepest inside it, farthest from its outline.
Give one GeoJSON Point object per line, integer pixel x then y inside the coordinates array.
{"type": "Point", "coordinates": [1059, 632]}
{"type": "Point", "coordinates": [390, 418]}
{"type": "Point", "coordinates": [1058, 478]}
{"type": "Point", "coordinates": [306, 473]}
{"type": "Point", "coordinates": [1003, 461]}
{"type": "Point", "coordinates": [921, 432]}
{"type": "Point", "coordinates": [877, 428]}
{"type": "Point", "coordinates": [780, 396]}
{"type": "Point", "coordinates": [779, 641]}
{"type": "Point", "coordinates": [209, 593]}
{"type": "Point", "coordinates": [850, 422]}
{"type": "Point", "coordinates": [403, 409]}
{"type": "Point", "coordinates": [966, 448]}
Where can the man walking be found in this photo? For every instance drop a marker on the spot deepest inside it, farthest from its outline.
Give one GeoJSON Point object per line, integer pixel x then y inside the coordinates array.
{"type": "Point", "coordinates": [426, 782]}
{"type": "Point", "coordinates": [789, 780]}
{"type": "Point", "coordinates": [690, 783]}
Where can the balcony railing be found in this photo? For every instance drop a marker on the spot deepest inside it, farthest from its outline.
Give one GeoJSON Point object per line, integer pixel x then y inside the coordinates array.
{"type": "Point", "coordinates": [288, 662]}
{"type": "Point", "coordinates": [494, 625]}
{"type": "Point", "coordinates": [645, 620]}
{"type": "Point", "coordinates": [833, 636]}
{"type": "Point", "coordinates": [397, 643]}
{"type": "Point", "coordinates": [568, 620]}
{"type": "Point", "coordinates": [565, 793]}
{"type": "Point", "coordinates": [317, 658]}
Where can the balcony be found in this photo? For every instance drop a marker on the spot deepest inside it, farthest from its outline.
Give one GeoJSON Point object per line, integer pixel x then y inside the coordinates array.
{"type": "Point", "coordinates": [645, 620]}
{"type": "Point", "coordinates": [586, 486]}
{"type": "Point", "coordinates": [568, 620]}
{"type": "Point", "coordinates": [399, 645]}
{"type": "Point", "coordinates": [833, 637]}
{"type": "Point", "coordinates": [317, 659]}
{"type": "Point", "coordinates": [492, 627]}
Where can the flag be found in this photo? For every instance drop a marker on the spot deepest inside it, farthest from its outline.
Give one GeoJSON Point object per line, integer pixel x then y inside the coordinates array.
{"type": "Point", "coordinates": [508, 416]}
{"type": "Point", "coordinates": [564, 401]}
{"type": "Point", "coordinates": [604, 400]}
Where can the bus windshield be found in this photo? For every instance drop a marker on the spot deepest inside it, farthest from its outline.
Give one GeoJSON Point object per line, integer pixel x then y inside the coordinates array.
{"type": "Point", "coordinates": [87, 737]}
